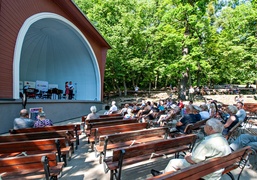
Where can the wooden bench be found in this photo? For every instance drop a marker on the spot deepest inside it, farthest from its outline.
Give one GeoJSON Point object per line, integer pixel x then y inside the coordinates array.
{"type": "Point", "coordinates": [86, 124]}
{"type": "Point", "coordinates": [83, 118]}
{"type": "Point", "coordinates": [142, 152]}
{"type": "Point", "coordinates": [125, 139]}
{"type": "Point", "coordinates": [57, 145]}
{"type": "Point", "coordinates": [108, 123]}
{"type": "Point", "coordinates": [68, 127]}
{"type": "Point", "coordinates": [233, 132]}
{"type": "Point", "coordinates": [197, 171]}
{"type": "Point", "coordinates": [102, 131]}
{"type": "Point", "coordinates": [36, 166]}
{"type": "Point", "coordinates": [196, 126]}
{"type": "Point", "coordinates": [41, 135]}
{"type": "Point", "coordinates": [102, 120]}
{"type": "Point", "coordinates": [251, 108]}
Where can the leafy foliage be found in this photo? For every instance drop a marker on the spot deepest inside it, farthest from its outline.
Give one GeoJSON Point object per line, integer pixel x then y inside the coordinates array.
{"type": "Point", "coordinates": [156, 43]}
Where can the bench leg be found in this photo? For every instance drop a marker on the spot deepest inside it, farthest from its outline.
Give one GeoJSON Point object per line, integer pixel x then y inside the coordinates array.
{"type": "Point", "coordinates": [106, 169]}
{"type": "Point", "coordinates": [230, 175]}
{"type": "Point", "coordinates": [64, 160]}
{"type": "Point", "coordinates": [100, 158]}
{"type": "Point", "coordinates": [112, 174]}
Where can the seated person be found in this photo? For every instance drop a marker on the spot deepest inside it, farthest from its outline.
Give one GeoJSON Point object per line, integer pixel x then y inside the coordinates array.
{"type": "Point", "coordinates": [213, 145]}
{"type": "Point", "coordinates": [204, 113]}
{"type": "Point", "coordinates": [42, 121]}
{"type": "Point", "coordinates": [232, 120]}
{"type": "Point", "coordinates": [189, 117]}
{"type": "Point", "coordinates": [241, 114]}
{"type": "Point", "coordinates": [161, 106]}
{"type": "Point", "coordinates": [93, 114]}
{"type": "Point", "coordinates": [112, 109]}
{"type": "Point", "coordinates": [123, 111]}
{"type": "Point", "coordinates": [244, 140]}
{"type": "Point", "coordinates": [196, 111]}
{"type": "Point", "coordinates": [23, 121]}
{"type": "Point", "coordinates": [129, 114]}
{"type": "Point", "coordinates": [170, 115]}
{"type": "Point", "coordinates": [152, 114]}
{"type": "Point", "coordinates": [146, 109]}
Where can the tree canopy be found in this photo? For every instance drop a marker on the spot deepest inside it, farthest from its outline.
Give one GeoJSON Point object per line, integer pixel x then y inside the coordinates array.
{"type": "Point", "coordinates": [156, 43]}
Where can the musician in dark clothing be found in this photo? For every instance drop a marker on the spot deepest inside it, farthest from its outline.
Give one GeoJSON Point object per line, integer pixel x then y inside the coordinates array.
{"type": "Point", "coordinates": [71, 87]}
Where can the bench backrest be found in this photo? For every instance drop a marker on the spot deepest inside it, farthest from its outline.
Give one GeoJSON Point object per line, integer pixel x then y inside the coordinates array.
{"type": "Point", "coordinates": [135, 135]}
{"type": "Point", "coordinates": [111, 123]}
{"type": "Point", "coordinates": [250, 107]}
{"type": "Point", "coordinates": [190, 127]}
{"type": "Point", "coordinates": [14, 164]}
{"type": "Point", "coordinates": [83, 118]}
{"type": "Point", "coordinates": [37, 135]}
{"type": "Point", "coordinates": [103, 119]}
{"type": "Point", "coordinates": [153, 147]}
{"type": "Point", "coordinates": [233, 130]}
{"type": "Point", "coordinates": [31, 145]}
{"type": "Point", "coordinates": [70, 127]}
{"type": "Point", "coordinates": [120, 128]}
{"type": "Point", "coordinates": [201, 169]}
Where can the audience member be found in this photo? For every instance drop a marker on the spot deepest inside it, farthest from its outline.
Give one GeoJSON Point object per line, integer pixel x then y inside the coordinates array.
{"type": "Point", "coordinates": [232, 120]}
{"type": "Point", "coordinates": [161, 106]}
{"type": "Point", "coordinates": [241, 98]}
{"type": "Point", "coordinates": [204, 113]}
{"type": "Point", "coordinates": [170, 115]}
{"type": "Point", "coordinates": [244, 140]}
{"type": "Point", "coordinates": [112, 109]}
{"type": "Point", "coordinates": [93, 114]}
{"type": "Point", "coordinates": [146, 109]}
{"type": "Point", "coordinates": [23, 121]}
{"type": "Point", "coordinates": [152, 113]}
{"type": "Point", "coordinates": [124, 110]}
{"type": "Point", "coordinates": [241, 114]}
{"type": "Point", "coordinates": [129, 114]}
{"type": "Point", "coordinates": [189, 117]}
{"type": "Point", "coordinates": [213, 145]}
{"type": "Point", "coordinates": [42, 121]}
{"type": "Point", "coordinates": [196, 111]}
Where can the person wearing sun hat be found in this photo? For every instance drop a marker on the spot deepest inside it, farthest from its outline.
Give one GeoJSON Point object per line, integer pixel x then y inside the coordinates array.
{"type": "Point", "coordinates": [42, 121]}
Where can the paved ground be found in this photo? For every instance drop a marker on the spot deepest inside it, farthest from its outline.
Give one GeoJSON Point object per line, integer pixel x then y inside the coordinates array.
{"type": "Point", "coordinates": [85, 166]}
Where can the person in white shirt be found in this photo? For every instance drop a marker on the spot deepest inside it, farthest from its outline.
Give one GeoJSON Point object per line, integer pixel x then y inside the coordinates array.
{"type": "Point", "coordinates": [213, 145]}
{"type": "Point", "coordinates": [191, 93]}
{"type": "Point", "coordinates": [113, 108]}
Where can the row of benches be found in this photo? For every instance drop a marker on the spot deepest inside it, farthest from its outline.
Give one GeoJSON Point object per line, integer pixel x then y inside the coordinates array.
{"type": "Point", "coordinates": [131, 145]}
{"type": "Point", "coordinates": [37, 152]}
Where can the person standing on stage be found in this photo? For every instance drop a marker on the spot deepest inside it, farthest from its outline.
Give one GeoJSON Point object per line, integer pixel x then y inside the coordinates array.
{"type": "Point", "coordinates": [67, 90]}
{"type": "Point", "coordinates": [71, 88]}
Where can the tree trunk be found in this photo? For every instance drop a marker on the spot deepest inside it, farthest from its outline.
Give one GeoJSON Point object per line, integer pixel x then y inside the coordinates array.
{"type": "Point", "coordinates": [149, 89]}
{"type": "Point", "coordinates": [120, 94]}
{"type": "Point", "coordinates": [155, 82]}
{"type": "Point", "coordinates": [125, 87]}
